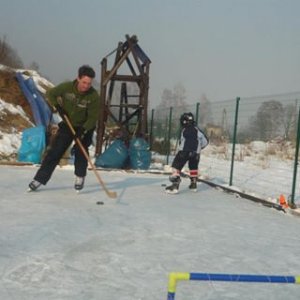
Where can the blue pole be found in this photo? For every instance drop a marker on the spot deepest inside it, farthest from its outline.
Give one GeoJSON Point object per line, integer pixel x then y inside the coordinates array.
{"type": "Point", "coordinates": [242, 278]}
{"type": "Point", "coordinates": [171, 296]}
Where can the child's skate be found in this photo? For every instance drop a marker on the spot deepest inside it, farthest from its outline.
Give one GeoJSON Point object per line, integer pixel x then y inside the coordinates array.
{"type": "Point", "coordinates": [193, 184]}
{"type": "Point", "coordinates": [174, 187]}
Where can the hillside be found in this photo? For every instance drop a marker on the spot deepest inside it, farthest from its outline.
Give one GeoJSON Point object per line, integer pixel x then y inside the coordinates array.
{"type": "Point", "coordinates": [10, 92]}
{"type": "Point", "coordinates": [15, 111]}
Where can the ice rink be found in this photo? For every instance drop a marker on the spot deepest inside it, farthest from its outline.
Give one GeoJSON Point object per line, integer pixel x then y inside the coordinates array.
{"type": "Point", "coordinates": [58, 245]}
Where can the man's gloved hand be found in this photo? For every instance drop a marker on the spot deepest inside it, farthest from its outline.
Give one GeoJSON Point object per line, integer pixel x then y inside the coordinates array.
{"type": "Point", "coordinates": [79, 132]}
{"type": "Point", "coordinates": [60, 110]}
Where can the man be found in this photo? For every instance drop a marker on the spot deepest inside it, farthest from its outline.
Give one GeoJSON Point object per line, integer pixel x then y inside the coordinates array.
{"type": "Point", "coordinates": [192, 141]}
{"type": "Point", "coordinates": [80, 102]}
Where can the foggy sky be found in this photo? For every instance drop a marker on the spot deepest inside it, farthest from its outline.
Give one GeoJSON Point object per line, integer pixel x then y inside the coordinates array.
{"type": "Point", "coordinates": [221, 48]}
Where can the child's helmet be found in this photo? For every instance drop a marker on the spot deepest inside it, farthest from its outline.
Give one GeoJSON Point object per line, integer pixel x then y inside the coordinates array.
{"type": "Point", "coordinates": [187, 119]}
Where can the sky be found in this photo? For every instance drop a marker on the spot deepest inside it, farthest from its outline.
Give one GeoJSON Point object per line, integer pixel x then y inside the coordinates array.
{"type": "Point", "coordinates": [56, 244]}
{"type": "Point", "coordinates": [220, 48]}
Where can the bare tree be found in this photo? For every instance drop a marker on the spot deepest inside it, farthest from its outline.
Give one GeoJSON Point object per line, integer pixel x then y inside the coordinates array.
{"type": "Point", "coordinates": [166, 99]}
{"type": "Point", "coordinates": [290, 120]}
{"type": "Point", "coordinates": [205, 113]}
{"type": "Point", "coordinates": [8, 55]}
{"type": "Point", "coordinates": [268, 121]}
{"type": "Point", "coordinates": [179, 96]}
{"type": "Point", "coordinates": [173, 98]}
{"type": "Point", "coordinates": [34, 66]}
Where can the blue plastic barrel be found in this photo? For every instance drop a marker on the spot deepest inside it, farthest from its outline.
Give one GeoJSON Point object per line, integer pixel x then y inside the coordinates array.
{"type": "Point", "coordinates": [114, 156]}
{"type": "Point", "coordinates": [33, 144]}
{"type": "Point", "coordinates": [139, 154]}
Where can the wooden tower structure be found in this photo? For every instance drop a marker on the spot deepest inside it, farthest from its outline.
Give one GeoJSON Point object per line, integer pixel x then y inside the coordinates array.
{"type": "Point", "coordinates": [123, 94]}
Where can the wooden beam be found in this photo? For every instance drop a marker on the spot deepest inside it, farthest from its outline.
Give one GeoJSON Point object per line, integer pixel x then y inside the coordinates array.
{"type": "Point", "coordinates": [116, 67]}
{"type": "Point", "coordinates": [131, 78]}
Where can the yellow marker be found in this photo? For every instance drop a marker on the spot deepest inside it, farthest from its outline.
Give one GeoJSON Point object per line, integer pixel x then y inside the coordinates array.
{"type": "Point", "coordinates": [173, 277]}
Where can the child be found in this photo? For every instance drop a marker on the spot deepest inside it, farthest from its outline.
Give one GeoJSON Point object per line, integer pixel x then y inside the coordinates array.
{"type": "Point", "coordinates": [192, 141]}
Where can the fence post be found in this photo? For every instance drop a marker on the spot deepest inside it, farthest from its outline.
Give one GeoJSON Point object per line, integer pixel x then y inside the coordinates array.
{"type": "Point", "coordinates": [292, 200]}
{"type": "Point", "coordinates": [151, 128]}
{"type": "Point", "coordinates": [169, 134]}
{"type": "Point", "coordinates": [234, 138]}
{"type": "Point", "coordinates": [197, 113]}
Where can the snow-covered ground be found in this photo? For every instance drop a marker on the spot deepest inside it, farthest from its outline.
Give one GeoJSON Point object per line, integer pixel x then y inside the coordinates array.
{"type": "Point", "coordinates": [39, 81]}
{"type": "Point", "coordinates": [55, 244]}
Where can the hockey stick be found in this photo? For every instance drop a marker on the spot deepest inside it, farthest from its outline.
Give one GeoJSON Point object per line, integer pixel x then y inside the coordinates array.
{"type": "Point", "coordinates": [110, 194]}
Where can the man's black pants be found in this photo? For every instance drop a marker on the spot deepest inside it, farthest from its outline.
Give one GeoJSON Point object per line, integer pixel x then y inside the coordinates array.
{"type": "Point", "coordinates": [60, 144]}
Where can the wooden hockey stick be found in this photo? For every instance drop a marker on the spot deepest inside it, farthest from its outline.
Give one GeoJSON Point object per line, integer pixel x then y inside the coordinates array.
{"type": "Point", "coordinates": [110, 194]}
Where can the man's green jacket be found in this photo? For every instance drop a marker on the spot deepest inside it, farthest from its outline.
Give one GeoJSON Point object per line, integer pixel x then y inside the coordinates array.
{"type": "Point", "coordinates": [81, 108]}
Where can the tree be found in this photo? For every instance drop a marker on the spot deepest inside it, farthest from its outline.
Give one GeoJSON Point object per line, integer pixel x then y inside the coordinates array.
{"type": "Point", "coordinates": [268, 120]}
{"type": "Point", "coordinates": [205, 113]}
{"type": "Point", "coordinates": [170, 98]}
{"type": "Point", "coordinates": [166, 99]}
{"type": "Point", "coordinates": [290, 120]}
{"type": "Point", "coordinates": [179, 96]}
{"type": "Point", "coordinates": [8, 55]}
{"type": "Point", "coordinates": [173, 98]}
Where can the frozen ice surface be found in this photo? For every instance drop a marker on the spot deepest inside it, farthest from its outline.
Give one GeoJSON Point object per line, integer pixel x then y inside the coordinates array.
{"type": "Point", "coordinates": [56, 244]}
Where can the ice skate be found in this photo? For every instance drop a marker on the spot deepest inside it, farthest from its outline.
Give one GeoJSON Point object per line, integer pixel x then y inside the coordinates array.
{"type": "Point", "coordinates": [79, 183]}
{"type": "Point", "coordinates": [174, 187]}
{"type": "Point", "coordinates": [193, 184]}
{"type": "Point", "coordinates": [33, 186]}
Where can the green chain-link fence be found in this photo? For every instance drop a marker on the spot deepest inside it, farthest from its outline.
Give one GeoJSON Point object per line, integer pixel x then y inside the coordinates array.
{"type": "Point", "coordinates": [250, 138]}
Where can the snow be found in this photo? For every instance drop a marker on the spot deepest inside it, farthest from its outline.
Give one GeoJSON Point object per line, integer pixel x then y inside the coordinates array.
{"type": "Point", "coordinates": [37, 78]}
{"type": "Point", "coordinates": [40, 81]}
{"type": "Point", "coordinates": [14, 109]}
{"type": "Point", "coordinates": [55, 244]}
{"type": "Point", "coordinates": [10, 142]}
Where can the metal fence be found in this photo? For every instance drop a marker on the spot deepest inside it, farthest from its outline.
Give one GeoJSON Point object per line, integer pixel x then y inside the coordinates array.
{"type": "Point", "coordinates": [254, 142]}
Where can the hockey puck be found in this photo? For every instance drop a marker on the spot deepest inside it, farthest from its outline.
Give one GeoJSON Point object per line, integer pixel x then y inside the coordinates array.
{"type": "Point", "coordinates": [100, 202]}
{"type": "Point", "coordinates": [163, 184]}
